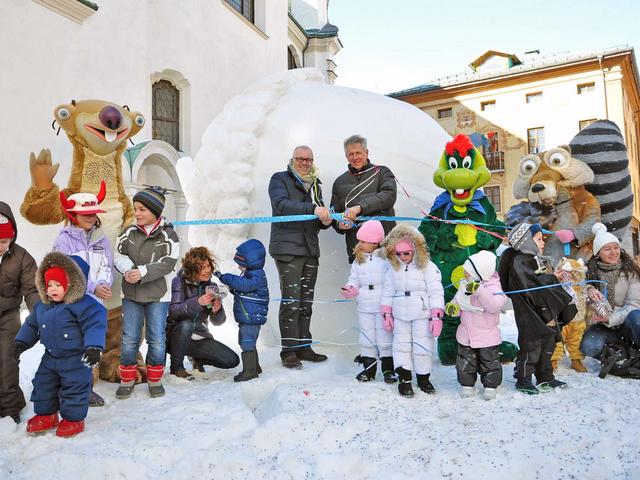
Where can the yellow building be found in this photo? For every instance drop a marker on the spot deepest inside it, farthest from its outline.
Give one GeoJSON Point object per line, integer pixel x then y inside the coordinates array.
{"type": "Point", "coordinates": [511, 106]}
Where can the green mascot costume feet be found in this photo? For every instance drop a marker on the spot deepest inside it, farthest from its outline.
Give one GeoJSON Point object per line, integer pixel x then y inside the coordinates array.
{"type": "Point", "coordinates": [462, 170]}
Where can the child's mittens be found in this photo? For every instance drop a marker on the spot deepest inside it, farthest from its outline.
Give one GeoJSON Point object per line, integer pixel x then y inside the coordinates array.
{"type": "Point", "coordinates": [471, 288]}
{"type": "Point", "coordinates": [565, 236]}
{"type": "Point", "coordinates": [452, 309]}
{"type": "Point", "coordinates": [349, 292]}
{"type": "Point", "coordinates": [437, 313]}
{"type": "Point", "coordinates": [217, 273]}
{"type": "Point", "coordinates": [387, 318]}
{"type": "Point", "coordinates": [91, 357]}
{"type": "Point", "coordinates": [435, 327]}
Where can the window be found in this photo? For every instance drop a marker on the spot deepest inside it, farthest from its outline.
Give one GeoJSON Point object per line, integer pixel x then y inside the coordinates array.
{"type": "Point", "coordinates": [585, 123]}
{"type": "Point", "coordinates": [445, 112]}
{"type": "Point", "coordinates": [244, 7]}
{"type": "Point", "coordinates": [535, 139]}
{"type": "Point", "coordinates": [586, 88]}
{"type": "Point", "coordinates": [493, 194]}
{"type": "Point", "coordinates": [533, 97]}
{"type": "Point", "coordinates": [166, 113]}
{"type": "Point", "coordinates": [488, 105]}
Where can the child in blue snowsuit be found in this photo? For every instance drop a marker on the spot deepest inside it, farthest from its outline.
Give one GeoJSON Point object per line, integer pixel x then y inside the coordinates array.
{"type": "Point", "coordinates": [72, 327]}
{"type": "Point", "coordinates": [250, 304]}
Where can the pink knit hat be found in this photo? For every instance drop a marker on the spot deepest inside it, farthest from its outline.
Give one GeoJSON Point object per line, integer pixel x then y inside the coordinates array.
{"type": "Point", "coordinates": [370, 231]}
{"type": "Point", "coordinates": [404, 245]}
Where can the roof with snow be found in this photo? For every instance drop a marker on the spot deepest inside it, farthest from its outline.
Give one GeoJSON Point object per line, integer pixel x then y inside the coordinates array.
{"type": "Point", "coordinates": [529, 63]}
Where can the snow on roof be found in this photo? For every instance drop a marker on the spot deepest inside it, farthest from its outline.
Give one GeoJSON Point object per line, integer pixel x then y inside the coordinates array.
{"type": "Point", "coordinates": [529, 63]}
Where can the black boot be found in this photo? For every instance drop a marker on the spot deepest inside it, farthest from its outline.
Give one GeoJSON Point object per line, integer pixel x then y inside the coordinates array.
{"type": "Point", "coordinates": [424, 384]}
{"type": "Point", "coordinates": [258, 367]}
{"type": "Point", "coordinates": [525, 385]}
{"type": "Point", "coordinates": [249, 364]}
{"type": "Point", "coordinates": [404, 387]}
{"type": "Point", "coordinates": [610, 355]}
{"type": "Point", "coordinates": [369, 372]}
{"type": "Point", "coordinates": [388, 370]}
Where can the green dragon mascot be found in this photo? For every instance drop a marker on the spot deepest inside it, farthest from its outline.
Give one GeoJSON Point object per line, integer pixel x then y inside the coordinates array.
{"type": "Point", "coordinates": [462, 170]}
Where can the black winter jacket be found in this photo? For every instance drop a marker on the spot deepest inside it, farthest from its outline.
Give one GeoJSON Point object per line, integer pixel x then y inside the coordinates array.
{"type": "Point", "coordinates": [289, 197]}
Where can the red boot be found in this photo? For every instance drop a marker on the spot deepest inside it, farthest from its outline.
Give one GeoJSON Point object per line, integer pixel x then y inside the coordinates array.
{"type": "Point", "coordinates": [68, 429]}
{"type": "Point", "coordinates": [38, 424]}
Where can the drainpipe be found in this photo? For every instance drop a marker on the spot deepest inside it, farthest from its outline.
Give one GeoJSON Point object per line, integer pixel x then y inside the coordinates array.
{"type": "Point", "coordinates": [604, 84]}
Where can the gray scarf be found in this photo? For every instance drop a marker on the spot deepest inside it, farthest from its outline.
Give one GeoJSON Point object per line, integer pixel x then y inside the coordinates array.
{"type": "Point", "coordinates": [609, 272]}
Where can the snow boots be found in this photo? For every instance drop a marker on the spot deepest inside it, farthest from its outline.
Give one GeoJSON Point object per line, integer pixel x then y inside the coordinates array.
{"type": "Point", "coordinates": [309, 355]}
{"type": "Point", "coordinates": [127, 381]}
{"type": "Point", "coordinates": [67, 428]}
{"type": "Point", "coordinates": [525, 385]}
{"type": "Point", "coordinates": [154, 380]}
{"type": "Point", "coordinates": [39, 424]}
{"type": "Point", "coordinates": [424, 384]}
{"type": "Point", "coordinates": [290, 360]}
{"type": "Point", "coordinates": [369, 372]}
{"type": "Point", "coordinates": [578, 366]}
{"type": "Point", "coordinates": [489, 393]}
{"type": "Point", "coordinates": [387, 370]}
{"type": "Point", "coordinates": [258, 367]}
{"type": "Point", "coordinates": [249, 367]}
{"type": "Point", "coordinates": [467, 392]}
{"type": "Point", "coordinates": [555, 383]}
{"type": "Point", "coordinates": [404, 386]}
{"type": "Point", "coordinates": [95, 400]}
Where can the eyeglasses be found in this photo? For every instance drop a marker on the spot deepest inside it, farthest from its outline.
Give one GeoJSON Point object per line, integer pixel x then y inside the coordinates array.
{"type": "Point", "coordinates": [403, 254]}
{"type": "Point", "coordinates": [303, 159]}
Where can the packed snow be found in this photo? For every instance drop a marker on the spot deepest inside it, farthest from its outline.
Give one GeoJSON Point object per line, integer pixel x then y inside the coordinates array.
{"type": "Point", "coordinates": [319, 422]}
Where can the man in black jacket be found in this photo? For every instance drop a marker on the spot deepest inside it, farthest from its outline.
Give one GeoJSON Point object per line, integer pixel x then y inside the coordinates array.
{"type": "Point", "coordinates": [295, 248]}
{"type": "Point", "coordinates": [364, 189]}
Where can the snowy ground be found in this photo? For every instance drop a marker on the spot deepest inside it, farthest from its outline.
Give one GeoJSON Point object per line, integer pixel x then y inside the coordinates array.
{"type": "Point", "coordinates": [320, 423]}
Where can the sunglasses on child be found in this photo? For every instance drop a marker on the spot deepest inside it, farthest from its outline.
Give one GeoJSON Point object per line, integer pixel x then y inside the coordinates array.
{"type": "Point", "coordinates": [404, 254]}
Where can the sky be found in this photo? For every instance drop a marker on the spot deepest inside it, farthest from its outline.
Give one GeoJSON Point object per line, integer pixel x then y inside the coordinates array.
{"type": "Point", "coordinates": [391, 45]}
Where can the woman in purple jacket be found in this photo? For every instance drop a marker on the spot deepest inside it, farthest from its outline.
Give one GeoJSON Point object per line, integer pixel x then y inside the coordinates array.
{"type": "Point", "coordinates": [192, 307]}
{"type": "Point", "coordinates": [84, 238]}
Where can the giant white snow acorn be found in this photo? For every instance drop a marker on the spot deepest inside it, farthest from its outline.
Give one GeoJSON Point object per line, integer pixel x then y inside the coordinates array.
{"type": "Point", "coordinates": [602, 237]}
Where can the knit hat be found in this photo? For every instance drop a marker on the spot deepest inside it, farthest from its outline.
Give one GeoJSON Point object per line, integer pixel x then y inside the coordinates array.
{"type": "Point", "coordinates": [371, 232]}
{"type": "Point", "coordinates": [521, 238]}
{"type": "Point", "coordinates": [57, 274]}
{"type": "Point", "coordinates": [7, 229]}
{"type": "Point", "coordinates": [152, 198]}
{"type": "Point", "coordinates": [602, 237]}
{"type": "Point", "coordinates": [481, 266]}
{"type": "Point", "coordinates": [404, 245]}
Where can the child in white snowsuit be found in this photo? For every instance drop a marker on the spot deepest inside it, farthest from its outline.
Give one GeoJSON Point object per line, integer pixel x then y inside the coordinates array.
{"type": "Point", "coordinates": [478, 335]}
{"type": "Point", "coordinates": [365, 282]}
{"type": "Point", "coordinates": [413, 306]}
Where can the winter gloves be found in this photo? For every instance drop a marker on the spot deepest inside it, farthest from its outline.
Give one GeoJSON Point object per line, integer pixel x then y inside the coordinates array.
{"type": "Point", "coordinates": [471, 288]}
{"type": "Point", "coordinates": [387, 317]}
{"type": "Point", "coordinates": [435, 325]}
{"type": "Point", "coordinates": [18, 348]}
{"type": "Point", "coordinates": [565, 236]}
{"type": "Point", "coordinates": [349, 292]}
{"type": "Point", "coordinates": [91, 357]}
{"type": "Point", "coordinates": [452, 309]}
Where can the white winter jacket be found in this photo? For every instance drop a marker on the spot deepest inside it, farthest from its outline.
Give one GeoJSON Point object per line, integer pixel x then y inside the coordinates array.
{"type": "Point", "coordinates": [413, 292]}
{"type": "Point", "coordinates": [368, 277]}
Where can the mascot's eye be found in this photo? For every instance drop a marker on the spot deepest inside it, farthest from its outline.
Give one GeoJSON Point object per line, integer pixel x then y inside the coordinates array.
{"type": "Point", "coordinates": [139, 120]}
{"type": "Point", "coordinates": [453, 163]}
{"type": "Point", "coordinates": [466, 162]}
{"type": "Point", "coordinates": [556, 159]}
{"type": "Point", "coordinates": [528, 167]}
{"type": "Point", "coordinates": [63, 113]}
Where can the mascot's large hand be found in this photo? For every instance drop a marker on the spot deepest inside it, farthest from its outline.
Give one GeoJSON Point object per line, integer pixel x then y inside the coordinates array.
{"type": "Point", "coordinates": [42, 170]}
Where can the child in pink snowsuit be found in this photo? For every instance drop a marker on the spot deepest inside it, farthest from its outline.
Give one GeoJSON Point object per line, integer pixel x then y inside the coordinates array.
{"type": "Point", "coordinates": [365, 282]}
{"type": "Point", "coordinates": [478, 334]}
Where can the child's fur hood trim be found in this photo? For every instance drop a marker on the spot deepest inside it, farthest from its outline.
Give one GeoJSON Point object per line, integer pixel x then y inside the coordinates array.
{"type": "Point", "coordinates": [77, 280]}
{"type": "Point", "coordinates": [403, 231]}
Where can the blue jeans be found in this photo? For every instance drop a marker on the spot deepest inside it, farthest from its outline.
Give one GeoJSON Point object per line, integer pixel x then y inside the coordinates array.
{"type": "Point", "coordinates": [597, 335]}
{"type": "Point", "coordinates": [134, 315]}
{"type": "Point", "coordinates": [247, 336]}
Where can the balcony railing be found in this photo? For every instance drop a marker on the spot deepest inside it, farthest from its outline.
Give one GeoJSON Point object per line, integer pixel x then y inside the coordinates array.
{"type": "Point", "coordinates": [495, 161]}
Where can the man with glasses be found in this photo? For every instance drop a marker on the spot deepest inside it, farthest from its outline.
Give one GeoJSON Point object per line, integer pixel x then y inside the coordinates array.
{"type": "Point", "coordinates": [364, 189]}
{"type": "Point", "coordinates": [295, 248]}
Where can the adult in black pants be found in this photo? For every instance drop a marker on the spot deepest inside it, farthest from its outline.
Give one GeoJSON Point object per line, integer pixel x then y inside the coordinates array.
{"type": "Point", "coordinates": [295, 248]}
{"type": "Point", "coordinates": [191, 308]}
